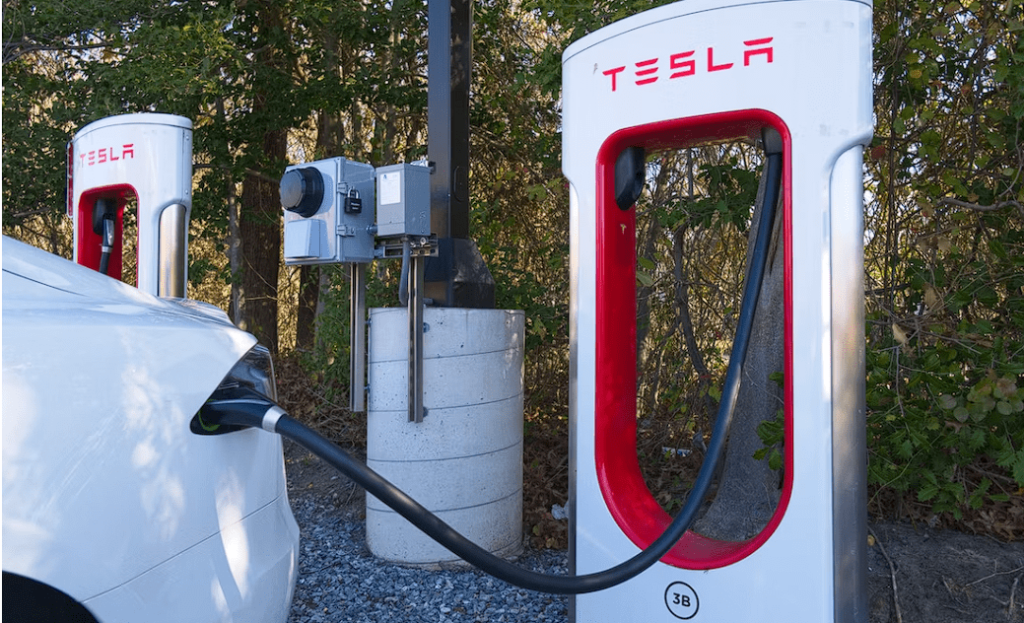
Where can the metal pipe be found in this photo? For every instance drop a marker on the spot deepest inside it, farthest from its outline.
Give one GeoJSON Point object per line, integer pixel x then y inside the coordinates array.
{"type": "Point", "coordinates": [172, 267]}
{"type": "Point", "coordinates": [357, 338]}
{"type": "Point", "coordinates": [416, 339]}
{"type": "Point", "coordinates": [403, 280]}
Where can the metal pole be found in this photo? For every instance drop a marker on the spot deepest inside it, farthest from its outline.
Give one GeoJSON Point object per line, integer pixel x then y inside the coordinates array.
{"type": "Point", "coordinates": [458, 277]}
{"type": "Point", "coordinates": [416, 339]}
{"type": "Point", "coordinates": [449, 58]}
{"type": "Point", "coordinates": [357, 338]}
{"type": "Point", "coordinates": [172, 262]}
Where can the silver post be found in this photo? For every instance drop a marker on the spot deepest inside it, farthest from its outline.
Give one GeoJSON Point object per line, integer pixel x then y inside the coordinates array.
{"type": "Point", "coordinates": [172, 264]}
{"type": "Point", "coordinates": [416, 338]}
{"type": "Point", "coordinates": [357, 338]}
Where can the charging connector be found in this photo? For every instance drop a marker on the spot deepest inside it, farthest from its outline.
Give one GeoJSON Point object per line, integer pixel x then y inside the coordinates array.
{"type": "Point", "coordinates": [104, 213]}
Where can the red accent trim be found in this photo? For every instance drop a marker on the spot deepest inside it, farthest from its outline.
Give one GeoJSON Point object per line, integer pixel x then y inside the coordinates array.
{"type": "Point", "coordinates": [88, 242]}
{"type": "Point", "coordinates": [618, 471]}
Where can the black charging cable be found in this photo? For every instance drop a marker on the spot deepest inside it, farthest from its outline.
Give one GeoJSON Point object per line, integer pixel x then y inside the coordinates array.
{"type": "Point", "coordinates": [256, 411]}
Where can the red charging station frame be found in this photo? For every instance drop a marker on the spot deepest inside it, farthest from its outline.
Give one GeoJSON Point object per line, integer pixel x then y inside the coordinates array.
{"type": "Point", "coordinates": [618, 471]}
{"type": "Point", "coordinates": [88, 241]}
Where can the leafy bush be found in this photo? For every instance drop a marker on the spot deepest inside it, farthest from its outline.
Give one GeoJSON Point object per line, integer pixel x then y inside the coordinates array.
{"type": "Point", "coordinates": [944, 384]}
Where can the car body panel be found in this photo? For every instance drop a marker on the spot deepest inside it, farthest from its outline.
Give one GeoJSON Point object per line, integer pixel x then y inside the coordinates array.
{"type": "Point", "coordinates": [103, 482]}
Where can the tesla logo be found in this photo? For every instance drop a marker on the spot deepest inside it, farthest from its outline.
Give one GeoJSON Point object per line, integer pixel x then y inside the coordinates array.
{"type": "Point", "coordinates": [107, 154]}
{"type": "Point", "coordinates": [688, 63]}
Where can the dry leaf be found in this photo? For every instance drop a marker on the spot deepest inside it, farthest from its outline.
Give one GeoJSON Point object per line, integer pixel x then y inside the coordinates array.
{"type": "Point", "coordinates": [931, 298]}
{"type": "Point", "coordinates": [899, 334]}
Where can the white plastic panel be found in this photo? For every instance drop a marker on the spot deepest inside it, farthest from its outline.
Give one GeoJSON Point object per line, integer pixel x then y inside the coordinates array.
{"type": "Point", "coordinates": [302, 239]}
{"type": "Point", "coordinates": [808, 64]}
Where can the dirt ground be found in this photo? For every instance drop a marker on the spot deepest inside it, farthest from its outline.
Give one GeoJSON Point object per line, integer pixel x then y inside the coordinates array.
{"type": "Point", "coordinates": [915, 574]}
{"type": "Point", "coordinates": [920, 575]}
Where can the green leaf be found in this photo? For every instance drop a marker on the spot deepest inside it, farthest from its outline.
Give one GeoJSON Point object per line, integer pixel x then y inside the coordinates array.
{"type": "Point", "coordinates": [976, 441]}
{"type": "Point", "coordinates": [927, 492]}
{"type": "Point", "coordinates": [996, 247]}
{"type": "Point", "coordinates": [1017, 468]}
{"type": "Point", "coordinates": [996, 139]}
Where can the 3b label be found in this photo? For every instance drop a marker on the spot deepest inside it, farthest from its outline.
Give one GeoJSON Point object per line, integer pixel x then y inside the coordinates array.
{"type": "Point", "coordinates": [681, 600]}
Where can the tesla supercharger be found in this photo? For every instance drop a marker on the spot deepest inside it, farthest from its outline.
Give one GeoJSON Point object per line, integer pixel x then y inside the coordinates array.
{"type": "Point", "coordinates": [147, 156]}
{"type": "Point", "coordinates": [690, 73]}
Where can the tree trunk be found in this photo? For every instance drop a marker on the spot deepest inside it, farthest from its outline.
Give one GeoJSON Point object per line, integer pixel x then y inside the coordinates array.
{"type": "Point", "coordinates": [309, 296]}
{"type": "Point", "coordinates": [237, 302]}
{"type": "Point", "coordinates": [260, 219]}
{"type": "Point", "coordinates": [329, 136]}
{"type": "Point", "coordinates": [260, 229]}
{"type": "Point", "coordinates": [748, 489]}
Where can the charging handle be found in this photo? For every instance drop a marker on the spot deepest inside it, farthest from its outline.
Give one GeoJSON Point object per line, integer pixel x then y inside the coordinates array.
{"type": "Point", "coordinates": [104, 214]}
{"type": "Point", "coordinates": [629, 176]}
{"type": "Point", "coordinates": [105, 209]}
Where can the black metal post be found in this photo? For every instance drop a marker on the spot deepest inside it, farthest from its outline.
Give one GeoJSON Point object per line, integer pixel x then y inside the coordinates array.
{"type": "Point", "coordinates": [458, 277]}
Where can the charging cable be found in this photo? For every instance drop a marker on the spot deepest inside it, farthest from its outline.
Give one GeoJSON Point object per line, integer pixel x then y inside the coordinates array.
{"type": "Point", "coordinates": [256, 411]}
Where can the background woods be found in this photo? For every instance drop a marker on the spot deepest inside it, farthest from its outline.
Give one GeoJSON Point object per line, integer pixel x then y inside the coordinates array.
{"type": "Point", "coordinates": [271, 83]}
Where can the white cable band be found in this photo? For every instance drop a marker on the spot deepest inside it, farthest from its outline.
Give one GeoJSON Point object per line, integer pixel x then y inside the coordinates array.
{"type": "Point", "coordinates": [271, 417]}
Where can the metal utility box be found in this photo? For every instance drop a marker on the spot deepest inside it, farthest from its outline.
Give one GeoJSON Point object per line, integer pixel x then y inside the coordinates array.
{"type": "Point", "coordinates": [328, 212]}
{"type": "Point", "coordinates": [403, 200]}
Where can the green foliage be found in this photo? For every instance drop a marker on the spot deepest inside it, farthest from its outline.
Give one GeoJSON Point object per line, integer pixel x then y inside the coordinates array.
{"type": "Point", "coordinates": [945, 255]}
{"type": "Point", "coordinates": [937, 444]}
{"type": "Point", "coordinates": [772, 433]}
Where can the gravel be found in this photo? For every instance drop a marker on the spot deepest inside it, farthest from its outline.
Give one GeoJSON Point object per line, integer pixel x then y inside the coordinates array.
{"type": "Point", "coordinates": [339, 580]}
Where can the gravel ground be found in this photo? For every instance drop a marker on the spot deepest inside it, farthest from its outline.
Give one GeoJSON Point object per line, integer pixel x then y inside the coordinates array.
{"type": "Point", "coordinates": [915, 574]}
{"type": "Point", "coordinates": [339, 580]}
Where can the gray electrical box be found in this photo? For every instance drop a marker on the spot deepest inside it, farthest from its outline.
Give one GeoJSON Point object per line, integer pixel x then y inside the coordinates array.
{"type": "Point", "coordinates": [328, 212]}
{"type": "Point", "coordinates": [403, 200]}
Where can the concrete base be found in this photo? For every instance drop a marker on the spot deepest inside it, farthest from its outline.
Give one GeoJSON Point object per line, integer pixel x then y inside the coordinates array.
{"type": "Point", "coordinates": [464, 462]}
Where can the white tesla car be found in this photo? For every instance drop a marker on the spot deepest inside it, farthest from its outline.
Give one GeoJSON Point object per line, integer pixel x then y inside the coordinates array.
{"type": "Point", "coordinates": [114, 508]}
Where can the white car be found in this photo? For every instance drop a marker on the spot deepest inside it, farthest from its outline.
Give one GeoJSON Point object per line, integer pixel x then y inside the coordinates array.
{"type": "Point", "coordinates": [114, 509]}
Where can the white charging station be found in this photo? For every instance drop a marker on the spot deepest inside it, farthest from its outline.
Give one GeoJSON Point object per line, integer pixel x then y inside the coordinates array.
{"type": "Point", "coordinates": [691, 73]}
{"type": "Point", "coordinates": [147, 156]}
